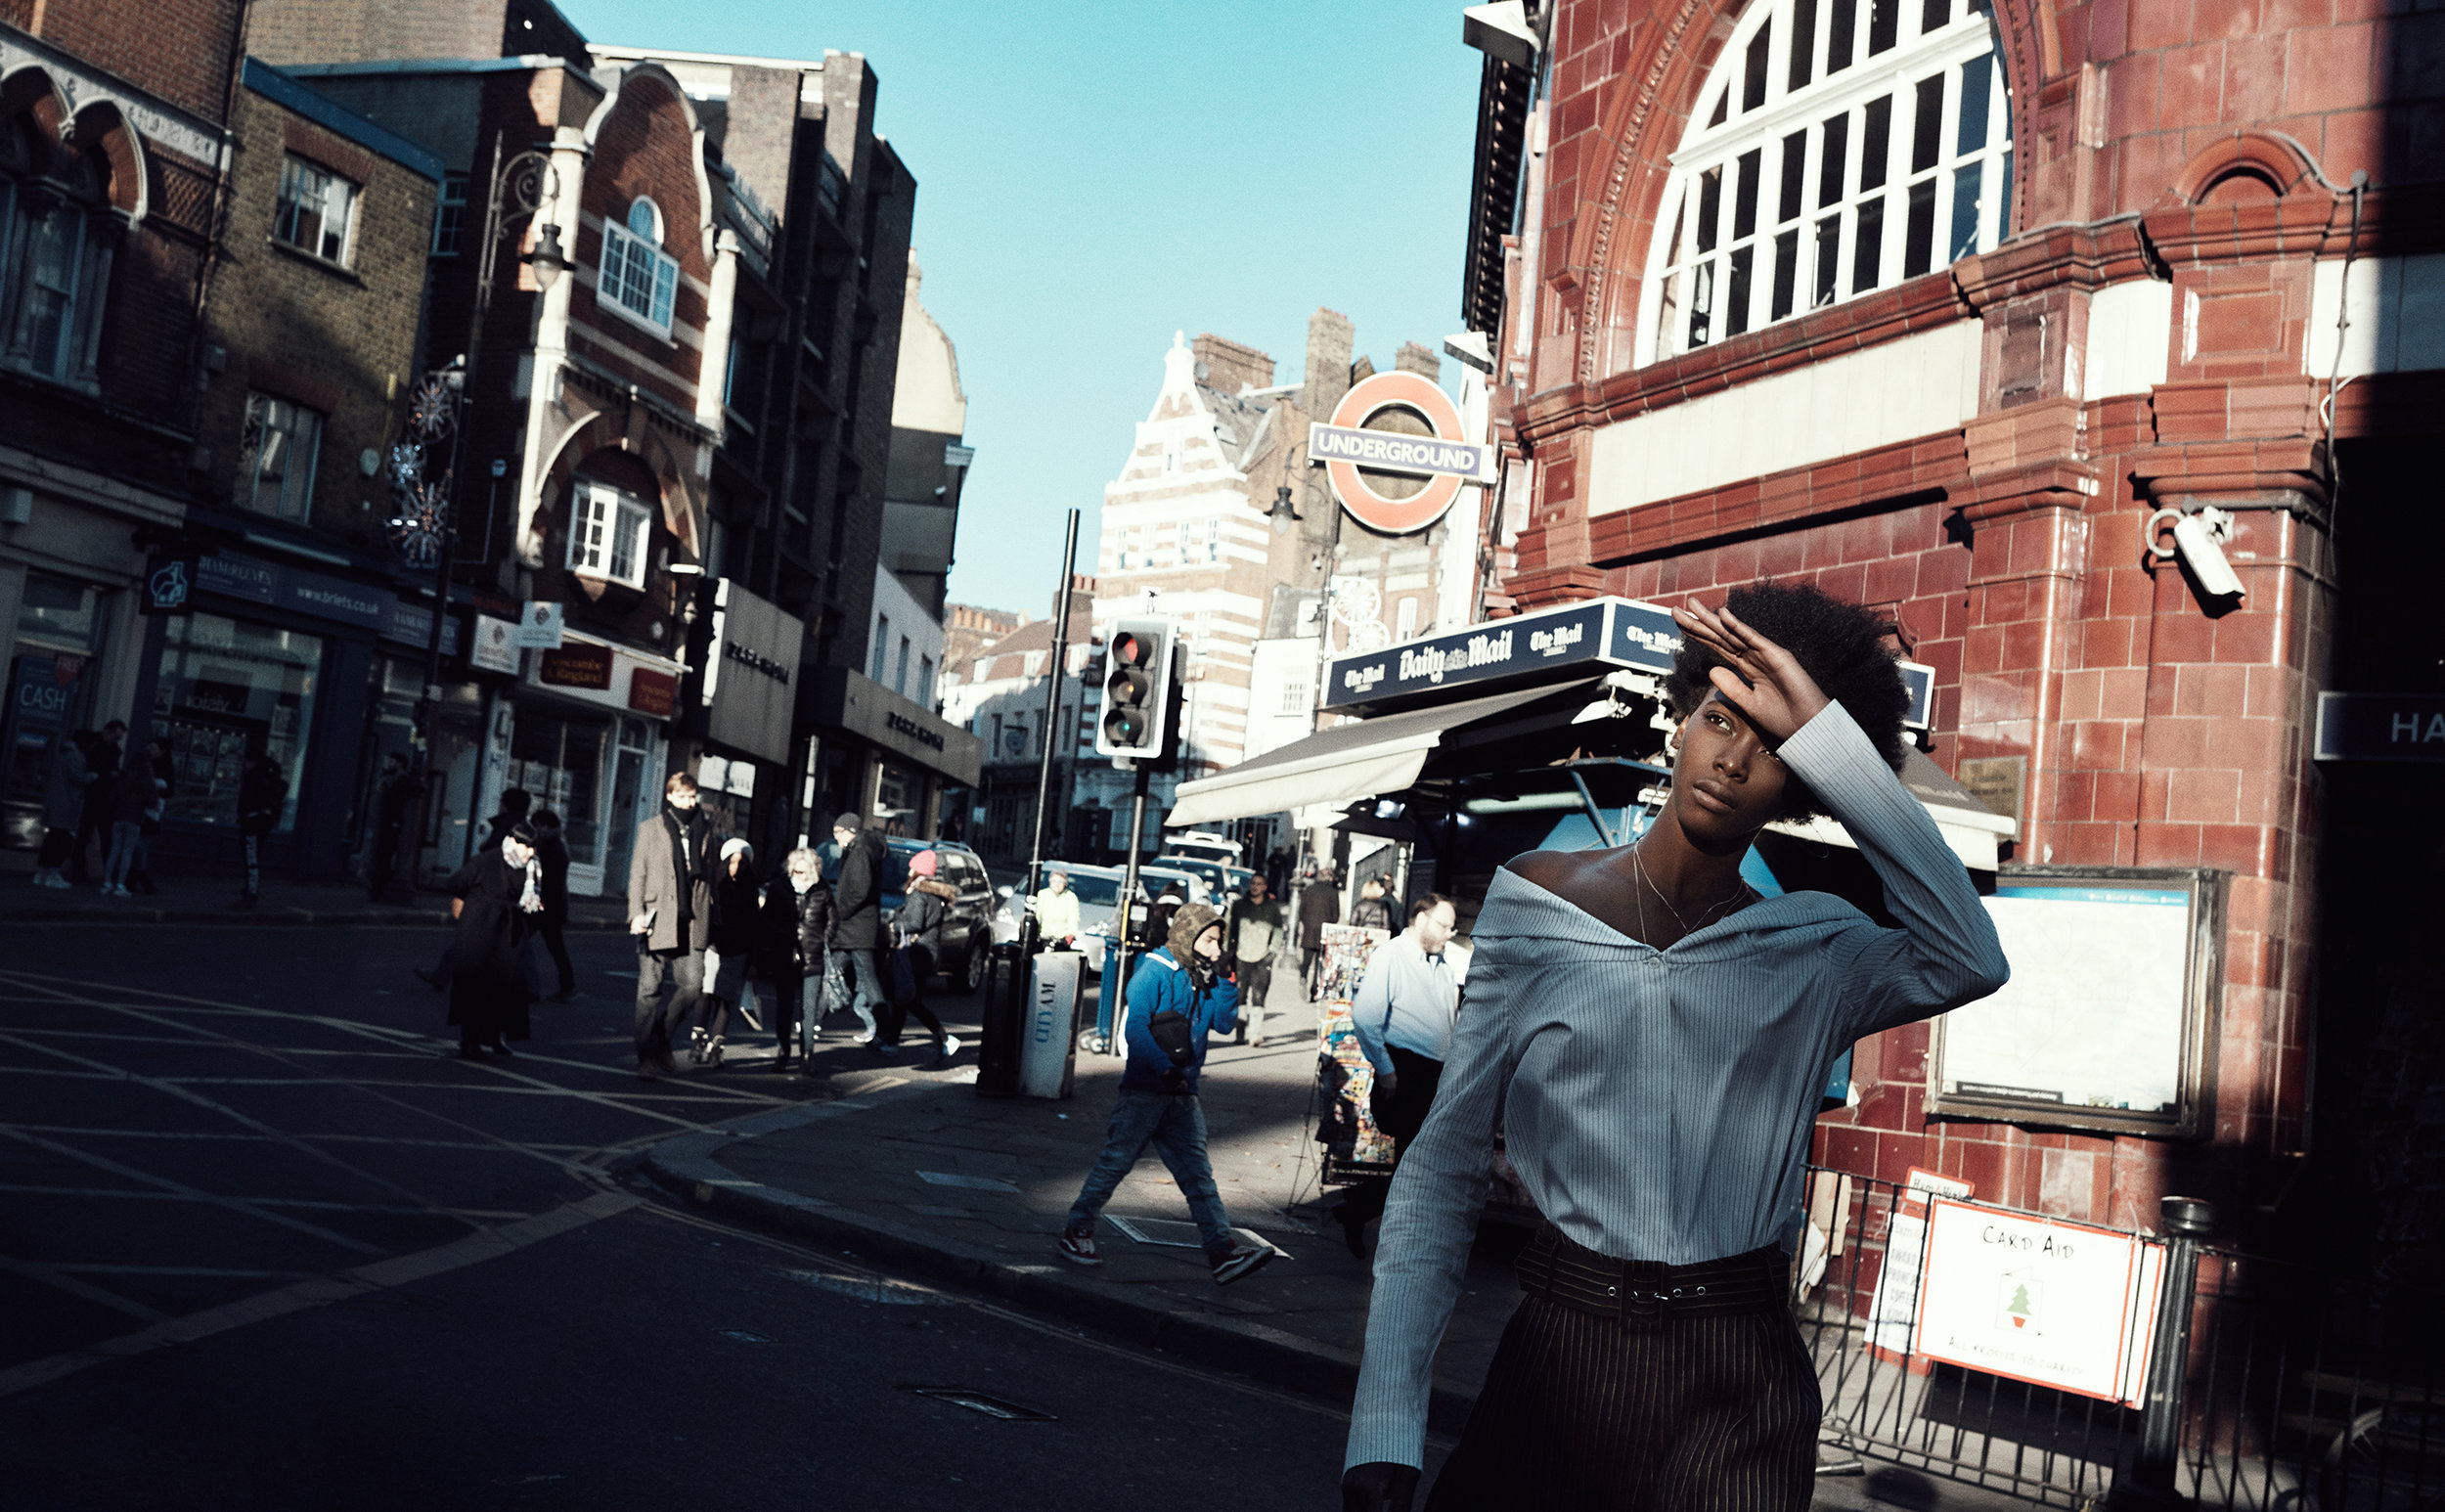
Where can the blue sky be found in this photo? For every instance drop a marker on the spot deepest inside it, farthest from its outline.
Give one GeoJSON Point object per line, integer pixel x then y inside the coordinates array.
{"type": "Point", "coordinates": [1093, 176]}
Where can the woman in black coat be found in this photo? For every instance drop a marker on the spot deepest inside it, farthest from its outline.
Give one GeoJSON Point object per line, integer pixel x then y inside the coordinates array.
{"type": "Point", "coordinates": [495, 899]}
{"type": "Point", "coordinates": [736, 931]}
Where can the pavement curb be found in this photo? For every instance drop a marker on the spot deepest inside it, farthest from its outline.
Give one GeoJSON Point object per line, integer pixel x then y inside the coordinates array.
{"type": "Point", "coordinates": [368, 917]}
{"type": "Point", "coordinates": [686, 1166]}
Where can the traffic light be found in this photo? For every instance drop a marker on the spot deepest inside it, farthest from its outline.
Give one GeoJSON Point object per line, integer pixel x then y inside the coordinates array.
{"type": "Point", "coordinates": [1137, 690]}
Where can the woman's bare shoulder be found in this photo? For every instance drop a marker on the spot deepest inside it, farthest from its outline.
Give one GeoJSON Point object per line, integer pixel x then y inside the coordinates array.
{"type": "Point", "coordinates": [1562, 872]}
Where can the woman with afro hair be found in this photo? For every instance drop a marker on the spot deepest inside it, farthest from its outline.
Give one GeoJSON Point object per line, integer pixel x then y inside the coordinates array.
{"type": "Point", "coordinates": [1653, 1035]}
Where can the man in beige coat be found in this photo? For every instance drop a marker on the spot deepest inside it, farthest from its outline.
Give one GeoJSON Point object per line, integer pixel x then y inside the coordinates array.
{"type": "Point", "coordinates": [670, 908]}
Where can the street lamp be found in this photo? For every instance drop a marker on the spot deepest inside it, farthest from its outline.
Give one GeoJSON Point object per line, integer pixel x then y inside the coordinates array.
{"type": "Point", "coordinates": [1284, 513]}
{"type": "Point", "coordinates": [427, 528]}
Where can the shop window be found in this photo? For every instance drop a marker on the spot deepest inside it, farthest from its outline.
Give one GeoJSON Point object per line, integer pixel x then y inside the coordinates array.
{"type": "Point", "coordinates": [228, 690]}
{"type": "Point", "coordinates": [559, 760]}
{"type": "Point", "coordinates": [1911, 164]}
{"type": "Point", "coordinates": [637, 278]}
{"type": "Point", "coordinates": [57, 239]}
{"type": "Point", "coordinates": [317, 211]}
{"type": "Point", "coordinates": [609, 532]}
{"type": "Point", "coordinates": [629, 765]}
{"type": "Point", "coordinates": [280, 443]}
{"type": "Point", "coordinates": [59, 631]}
{"type": "Point", "coordinates": [449, 215]}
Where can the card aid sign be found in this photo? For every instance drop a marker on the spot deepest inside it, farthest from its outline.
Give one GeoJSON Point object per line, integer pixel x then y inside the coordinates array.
{"type": "Point", "coordinates": [2060, 1305]}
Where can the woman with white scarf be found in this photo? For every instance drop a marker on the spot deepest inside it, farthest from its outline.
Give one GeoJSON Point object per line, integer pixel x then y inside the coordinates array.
{"type": "Point", "coordinates": [497, 899]}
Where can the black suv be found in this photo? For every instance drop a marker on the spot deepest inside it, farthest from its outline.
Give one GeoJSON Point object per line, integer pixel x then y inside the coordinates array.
{"type": "Point", "coordinates": [968, 934]}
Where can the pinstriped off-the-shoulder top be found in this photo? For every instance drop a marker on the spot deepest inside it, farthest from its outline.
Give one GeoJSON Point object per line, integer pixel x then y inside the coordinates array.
{"type": "Point", "coordinates": [1657, 1103]}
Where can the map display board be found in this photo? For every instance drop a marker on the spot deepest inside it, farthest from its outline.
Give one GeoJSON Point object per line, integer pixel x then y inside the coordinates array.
{"type": "Point", "coordinates": [2106, 1021]}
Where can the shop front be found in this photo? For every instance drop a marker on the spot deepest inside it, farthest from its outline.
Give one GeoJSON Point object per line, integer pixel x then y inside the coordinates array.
{"type": "Point", "coordinates": [883, 755]}
{"type": "Point", "coordinates": [745, 702]}
{"type": "Point", "coordinates": [585, 733]}
{"type": "Point", "coordinates": [252, 658]}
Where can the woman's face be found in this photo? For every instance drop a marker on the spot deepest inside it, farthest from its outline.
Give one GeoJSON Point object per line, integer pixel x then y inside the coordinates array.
{"type": "Point", "coordinates": [1726, 785]}
{"type": "Point", "coordinates": [802, 874]}
{"type": "Point", "coordinates": [737, 860]}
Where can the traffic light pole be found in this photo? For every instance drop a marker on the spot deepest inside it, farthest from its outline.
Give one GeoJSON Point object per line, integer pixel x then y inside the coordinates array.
{"type": "Point", "coordinates": [1111, 1007]}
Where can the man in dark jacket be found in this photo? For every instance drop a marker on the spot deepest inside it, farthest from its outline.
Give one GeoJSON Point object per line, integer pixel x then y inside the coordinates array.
{"type": "Point", "coordinates": [391, 797]}
{"type": "Point", "coordinates": [1319, 905]}
{"type": "Point", "coordinates": [105, 754]}
{"type": "Point", "coordinates": [857, 918]}
{"type": "Point", "coordinates": [262, 792]}
{"type": "Point", "coordinates": [670, 911]}
{"type": "Point", "coordinates": [553, 854]}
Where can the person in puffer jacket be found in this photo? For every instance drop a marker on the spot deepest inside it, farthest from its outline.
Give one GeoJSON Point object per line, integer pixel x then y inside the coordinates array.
{"type": "Point", "coordinates": [797, 915]}
{"type": "Point", "coordinates": [1158, 1098]}
{"type": "Point", "coordinates": [924, 909]}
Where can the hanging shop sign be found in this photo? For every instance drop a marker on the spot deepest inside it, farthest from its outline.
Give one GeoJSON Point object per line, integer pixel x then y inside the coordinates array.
{"type": "Point", "coordinates": [651, 693]}
{"type": "Point", "coordinates": [1593, 636]}
{"type": "Point", "coordinates": [496, 648]}
{"type": "Point", "coordinates": [2381, 726]}
{"type": "Point", "coordinates": [748, 672]}
{"type": "Point", "coordinates": [540, 626]}
{"type": "Point", "coordinates": [1347, 450]}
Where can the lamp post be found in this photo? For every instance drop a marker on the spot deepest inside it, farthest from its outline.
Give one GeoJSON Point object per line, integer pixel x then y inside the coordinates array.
{"type": "Point", "coordinates": [424, 528]}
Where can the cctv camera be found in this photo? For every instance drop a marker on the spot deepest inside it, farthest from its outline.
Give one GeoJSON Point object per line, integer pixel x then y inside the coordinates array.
{"type": "Point", "coordinates": [2196, 538]}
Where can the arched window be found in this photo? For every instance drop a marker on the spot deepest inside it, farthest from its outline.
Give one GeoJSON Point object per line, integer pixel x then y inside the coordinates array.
{"type": "Point", "coordinates": [57, 236]}
{"type": "Point", "coordinates": [645, 221]}
{"type": "Point", "coordinates": [638, 279]}
{"type": "Point", "coordinates": [1839, 147]}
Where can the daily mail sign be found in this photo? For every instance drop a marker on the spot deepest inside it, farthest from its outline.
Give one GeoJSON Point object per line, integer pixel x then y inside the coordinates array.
{"type": "Point", "coordinates": [1592, 637]}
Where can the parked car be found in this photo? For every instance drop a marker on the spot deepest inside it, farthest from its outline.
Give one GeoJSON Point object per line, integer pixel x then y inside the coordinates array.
{"type": "Point", "coordinates": [1200, 845]}
{"type": "Point", "coordinates": [1222, 879]}
{"type": "Point", "coordinates": [1098, 891]}
{"type": "Point", "coordinates": [968, 936]}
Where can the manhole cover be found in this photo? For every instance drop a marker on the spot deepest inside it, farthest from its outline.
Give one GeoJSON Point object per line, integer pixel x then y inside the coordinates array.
{"type": "Point", "coordinates": [982, 1402]}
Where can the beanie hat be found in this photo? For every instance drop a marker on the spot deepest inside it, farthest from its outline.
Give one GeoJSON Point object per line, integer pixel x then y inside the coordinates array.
{"type": "Point", "coordinates": [923, 864]}
{"type": "Point", "coordinates": [1187, 925]}
{"type": "Point", "coordinates": [853, 822]}
{"type": "Point", "coordinates": [733, 846]}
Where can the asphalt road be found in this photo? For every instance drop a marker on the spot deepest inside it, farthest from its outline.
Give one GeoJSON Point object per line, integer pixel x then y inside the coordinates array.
{"type": "Point", "coordinates": [265, 1242]}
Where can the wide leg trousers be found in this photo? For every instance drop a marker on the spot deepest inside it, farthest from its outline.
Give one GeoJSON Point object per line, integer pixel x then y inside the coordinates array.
{"type": "Point", "coordinates": [1649, 1413]}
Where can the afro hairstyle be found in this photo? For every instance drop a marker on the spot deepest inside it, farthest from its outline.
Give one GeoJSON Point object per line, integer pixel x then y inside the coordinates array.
{"type": "Point", "coordinates": [1839, 644]}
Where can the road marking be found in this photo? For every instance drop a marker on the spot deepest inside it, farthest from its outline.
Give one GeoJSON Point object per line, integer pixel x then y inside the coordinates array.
{"type": "Point", "coordinates": [52, 1276]}
{"type": "Point", "coordinates": [322, 1290]}
{"type": "Point", "coordinates": [385, 1208]}
{"type": "Point", "coordinates": [234, 1204]}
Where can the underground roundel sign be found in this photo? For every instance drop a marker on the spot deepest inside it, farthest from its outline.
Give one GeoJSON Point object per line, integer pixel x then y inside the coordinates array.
{"type": "Point", "coordinates": [1344, 446]}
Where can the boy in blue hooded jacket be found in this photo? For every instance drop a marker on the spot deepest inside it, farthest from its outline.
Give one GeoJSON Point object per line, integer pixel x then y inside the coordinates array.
{"type": "Point", "coordinates": [1158, 1099]}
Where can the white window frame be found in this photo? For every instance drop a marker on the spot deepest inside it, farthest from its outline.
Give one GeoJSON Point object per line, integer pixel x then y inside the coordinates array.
{"type": "Point", "coordinates": [610, 534]}
{"type": "Point", "coordinates": [1684, 283]}
{"type": "Point", "coordinates": [637, 280]}
{"type": "Point", "coordinates": [290, 430]}
{"type": "Point", "coordinates": [307, 187]}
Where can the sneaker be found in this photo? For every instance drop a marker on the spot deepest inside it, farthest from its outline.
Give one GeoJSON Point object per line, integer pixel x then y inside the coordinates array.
{"type": "Point", "coordinates": [952, 1045]}
{"type": "Point", "coordinates": [1079, 1248]}
{"type": "Point", "coordinates": [1245, 1260]}
{"type": "Point", "coordinates": [696, 1038]}
{"type": "Point", "coordinates": [712, 1051]}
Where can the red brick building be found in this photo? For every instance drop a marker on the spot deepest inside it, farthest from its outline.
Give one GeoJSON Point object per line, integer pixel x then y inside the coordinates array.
{"type": "Point", "coordinates": [1958, 311]}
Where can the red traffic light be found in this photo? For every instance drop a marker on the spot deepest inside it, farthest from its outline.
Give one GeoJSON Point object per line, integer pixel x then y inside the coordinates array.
{"type": "Point", "coordinates": [1128, 650]}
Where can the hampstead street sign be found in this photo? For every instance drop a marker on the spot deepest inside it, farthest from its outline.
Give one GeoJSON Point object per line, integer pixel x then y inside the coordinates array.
{"type": "Point", "coordinates": [1447, 459]}
{"type": "Point", "coordinates": [2381, 726]}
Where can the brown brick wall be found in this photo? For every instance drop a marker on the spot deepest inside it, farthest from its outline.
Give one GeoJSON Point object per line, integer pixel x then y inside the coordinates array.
{"type": "Point", "coordinates": [339, 340]}
{"type": "Point", "coordinates": [181, 50]}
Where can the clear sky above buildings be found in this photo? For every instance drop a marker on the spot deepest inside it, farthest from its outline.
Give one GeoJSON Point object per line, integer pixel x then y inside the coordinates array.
{"type": "Point", "coordinates": [1096, 175]}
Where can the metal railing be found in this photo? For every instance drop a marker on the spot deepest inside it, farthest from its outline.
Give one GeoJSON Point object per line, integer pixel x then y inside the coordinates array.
{"type": "Point", "coordinates": [2293, 1395]}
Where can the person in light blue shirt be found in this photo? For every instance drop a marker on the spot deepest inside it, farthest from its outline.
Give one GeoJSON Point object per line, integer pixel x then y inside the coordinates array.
{"type": "Point", "coordinates": [1652, 1038]}
{"type": "Point", "coordinates": [1403, 1014]}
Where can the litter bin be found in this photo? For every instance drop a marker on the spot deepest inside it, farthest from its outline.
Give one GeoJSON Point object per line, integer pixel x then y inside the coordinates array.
{"type": "Point", "coordinates": [1003, 1011]}
{"type": "Point", "coordinates": [1049, 1047]}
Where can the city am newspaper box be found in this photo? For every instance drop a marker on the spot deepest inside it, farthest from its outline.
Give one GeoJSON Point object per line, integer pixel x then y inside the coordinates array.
{"type": "Point", "coordinates": [1048, 1040]}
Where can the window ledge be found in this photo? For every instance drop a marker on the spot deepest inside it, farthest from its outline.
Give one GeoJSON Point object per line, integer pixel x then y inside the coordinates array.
{"type": "Point", "coordinates": [337, 270]}
{"type": "Point", "coordinates": [626, 316]}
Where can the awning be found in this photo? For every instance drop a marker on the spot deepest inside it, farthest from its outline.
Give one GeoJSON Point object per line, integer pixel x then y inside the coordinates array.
{"type": "Point", "coordinates": [1337, 766]}
{"type": "Point", "coordinates": [1969, 827]}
